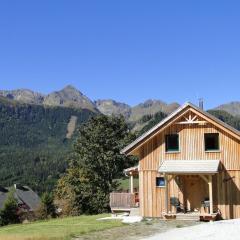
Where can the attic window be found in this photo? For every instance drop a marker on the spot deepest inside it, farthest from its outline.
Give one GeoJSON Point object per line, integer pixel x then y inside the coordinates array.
{"type": "Point", "coordinates": [211, 141]}
{"type": "Point", "coordinates": [172, 142]}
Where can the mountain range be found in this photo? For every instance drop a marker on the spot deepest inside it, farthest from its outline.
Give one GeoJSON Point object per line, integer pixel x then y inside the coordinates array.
{"type": "Point", "coordinates": [73, 98]}
{"type": "Point", "coordinates": [67, 97]}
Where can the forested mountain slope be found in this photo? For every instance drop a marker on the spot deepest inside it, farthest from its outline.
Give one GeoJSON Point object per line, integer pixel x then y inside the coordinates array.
{"type": "Point", "coordinates": [34, 142]}
{"type": "Point", "coordinates": [226, 117]}
{"type": "Point", "coordinates": [232, 108]}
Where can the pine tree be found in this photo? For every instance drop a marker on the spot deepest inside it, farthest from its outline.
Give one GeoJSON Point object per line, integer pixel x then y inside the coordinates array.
{"type": "Point", "coordinates": [47, 208]}
{"type": "Point", "coordinates": [95, 163]}
{"type": "Point", "coordinates": [8, 214]}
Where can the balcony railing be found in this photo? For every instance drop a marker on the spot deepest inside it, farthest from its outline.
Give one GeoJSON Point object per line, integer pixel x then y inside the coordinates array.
{"type": "Point", "coordinates": [122, 201]}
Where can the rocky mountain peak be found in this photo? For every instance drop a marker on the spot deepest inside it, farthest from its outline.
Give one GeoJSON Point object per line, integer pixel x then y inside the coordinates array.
{"type": "Point", "coordinates": [151, 102]}
{"type": "Point", "coordinates": [109, 107]}
{"type": "Point", "coordinates": [70, 88]}
{"type": "Point", "coordinates": [150, 107]}
{"type": "Point", "coordinates": [23, 95]}
{"type": "Point", "coordinates": [69, 96]}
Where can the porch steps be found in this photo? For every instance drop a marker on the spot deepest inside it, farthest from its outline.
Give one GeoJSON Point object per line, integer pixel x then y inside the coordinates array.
{"type": "Point", "coordinates": [188, 217]}
{"type": "Point", "coordinates": [134, 212]}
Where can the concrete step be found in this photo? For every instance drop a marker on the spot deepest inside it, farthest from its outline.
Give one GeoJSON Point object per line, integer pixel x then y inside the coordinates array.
{"type": "Point", "coordinates": [134, 212]}
{"type": "Point", "coordinates": [187, 217]}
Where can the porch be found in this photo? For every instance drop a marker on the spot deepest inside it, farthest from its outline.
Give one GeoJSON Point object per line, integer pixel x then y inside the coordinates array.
{"type": "Point", "coordinates": [126, 201]}
{"type": "Point", "coordinates": [191, 216]}
{"type": "Point", "coordinates": [194, 180]}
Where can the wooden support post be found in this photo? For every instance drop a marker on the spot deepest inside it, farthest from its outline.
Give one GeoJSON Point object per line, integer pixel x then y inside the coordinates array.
{"type": "Point", "coordinates": [204, 178]}
{"type": "Point", "coordinates": [131, 184]}
{"type": "Point", "coordinates": [210, 193]}
{"type": "Point", "coordinates": [166, 194]}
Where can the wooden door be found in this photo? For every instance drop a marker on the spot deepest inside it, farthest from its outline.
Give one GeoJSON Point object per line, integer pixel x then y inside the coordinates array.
{"type": "Point", "coordinates": [194, 192]}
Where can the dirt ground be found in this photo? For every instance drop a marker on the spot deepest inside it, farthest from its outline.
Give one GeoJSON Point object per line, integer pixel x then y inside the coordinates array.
{"type": "Point", "coordinates": [136, 231]}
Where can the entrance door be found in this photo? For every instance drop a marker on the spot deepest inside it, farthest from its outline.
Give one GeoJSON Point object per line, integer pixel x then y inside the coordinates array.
{"type": "Point", "coordinates": [195, 191]}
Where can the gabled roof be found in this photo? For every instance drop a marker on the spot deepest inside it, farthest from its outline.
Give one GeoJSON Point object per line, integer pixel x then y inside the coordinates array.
{"type": "Point", "coordinates": [150, 133]}
{"type": "Point", "coordinates": [28, 196]}
{"type": "Point", "coordinates": [23, 194]}
{"type": "Point", "coordinates": [189, 166]}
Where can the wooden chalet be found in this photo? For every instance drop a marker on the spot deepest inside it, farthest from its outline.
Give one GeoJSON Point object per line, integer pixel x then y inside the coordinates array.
{"type": "Point", "coordinates": [189, 164]}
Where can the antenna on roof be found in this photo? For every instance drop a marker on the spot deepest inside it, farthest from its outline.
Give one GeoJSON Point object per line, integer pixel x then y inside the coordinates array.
{"type": "Point", "coordinates": [200, 103]}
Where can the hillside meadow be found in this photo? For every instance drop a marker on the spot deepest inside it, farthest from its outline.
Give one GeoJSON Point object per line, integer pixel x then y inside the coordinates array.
{"type": "Point", "coordinates": [57, 229]}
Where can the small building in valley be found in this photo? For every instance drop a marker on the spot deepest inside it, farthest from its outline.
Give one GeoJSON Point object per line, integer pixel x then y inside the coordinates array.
{"type": "Point", "coordinates": [27, 199]}
{"type": "Point", "coordinates": [189, 165]}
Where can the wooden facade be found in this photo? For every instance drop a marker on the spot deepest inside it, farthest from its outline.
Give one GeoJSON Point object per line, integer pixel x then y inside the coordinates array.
{"type": "Point", "coordinates": [190, 123]}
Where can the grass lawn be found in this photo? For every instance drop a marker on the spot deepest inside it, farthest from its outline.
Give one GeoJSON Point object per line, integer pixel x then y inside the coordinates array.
{"type": "Point", "coordinates": [57, 229]}
{"type": "Point", "coordinates": [124, 183]}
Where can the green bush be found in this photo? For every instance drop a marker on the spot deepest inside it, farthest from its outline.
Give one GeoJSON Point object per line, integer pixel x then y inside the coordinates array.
{"type": "Point", "coordinates": [47, 208]}
{"type": "Point", "coordinates": [9, 213]}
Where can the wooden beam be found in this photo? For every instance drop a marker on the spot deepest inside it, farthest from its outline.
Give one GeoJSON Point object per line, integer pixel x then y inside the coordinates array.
{"type": "Point", "coordinates": [210, 193]}
{"type": "Point", "coordinates": [166, 194]}
{"type": "Point", "coordinates": [204, 178]}
{"type": "Point", "coordinates": [194, 118]}
{"type": "Point", "coordinates": [171, 178]}
{"type": "Point", "coordinates": [192, 122]}
{"type": "Point", "coordinates": [131, 183]}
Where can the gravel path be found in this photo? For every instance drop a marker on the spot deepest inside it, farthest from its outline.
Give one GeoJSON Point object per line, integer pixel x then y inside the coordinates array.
{"type": "Point", "coordinates": [222, 230]}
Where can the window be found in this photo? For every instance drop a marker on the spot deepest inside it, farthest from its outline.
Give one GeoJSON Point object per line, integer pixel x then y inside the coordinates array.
{"type": "Point", "coordinates": [172, 143]}
{"type": "Point", "coordinates": [160, 182]}
{"type": "Point", "coordinates": [211, 141]}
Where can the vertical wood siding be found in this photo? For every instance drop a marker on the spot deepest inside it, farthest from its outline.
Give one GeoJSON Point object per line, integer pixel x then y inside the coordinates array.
{"type": "Point", "coordinates": [191, 139]}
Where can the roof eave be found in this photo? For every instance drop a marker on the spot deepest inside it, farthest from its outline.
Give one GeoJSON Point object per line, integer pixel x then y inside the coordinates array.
{"type": "Point", "coordinates": [190, 172]}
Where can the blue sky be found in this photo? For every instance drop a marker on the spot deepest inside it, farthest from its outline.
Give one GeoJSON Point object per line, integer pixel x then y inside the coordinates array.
{"type": "Point", "coordinates": [126, 50]}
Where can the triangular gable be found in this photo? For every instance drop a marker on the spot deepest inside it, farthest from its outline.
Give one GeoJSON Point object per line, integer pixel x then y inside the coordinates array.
{"type": "Point", "coordinates": [178, 114]}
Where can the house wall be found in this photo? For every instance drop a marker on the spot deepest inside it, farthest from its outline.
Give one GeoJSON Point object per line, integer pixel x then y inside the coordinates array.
{"type": "Point", "coordinates": [226, 184]}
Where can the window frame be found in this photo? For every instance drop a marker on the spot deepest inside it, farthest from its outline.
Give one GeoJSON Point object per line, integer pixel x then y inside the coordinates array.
{"type": "Point", "coordinates": [218, 143]}
{"type": "Point", "coordinates": [160, 186]}
{"type": "Point", "coordinates": [166, 143]}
